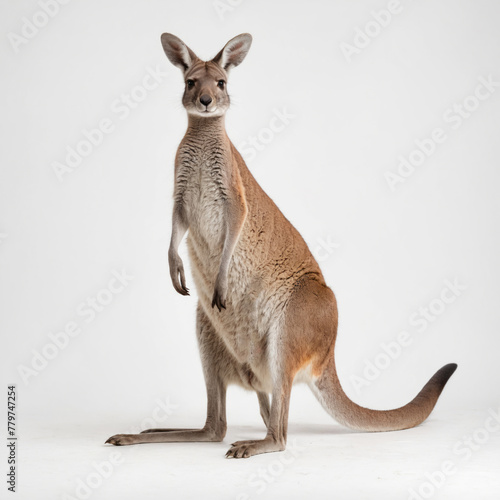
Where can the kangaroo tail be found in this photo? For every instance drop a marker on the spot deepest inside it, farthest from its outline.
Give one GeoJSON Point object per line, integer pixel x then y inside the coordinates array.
{"type": "Point", "coordinates": [329, 392]}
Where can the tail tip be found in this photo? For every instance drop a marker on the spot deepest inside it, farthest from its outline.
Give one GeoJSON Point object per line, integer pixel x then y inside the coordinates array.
{"type": "Point", "coordinates": [447, 371]}
{"type": "Point", "coordinates": [451, 367]}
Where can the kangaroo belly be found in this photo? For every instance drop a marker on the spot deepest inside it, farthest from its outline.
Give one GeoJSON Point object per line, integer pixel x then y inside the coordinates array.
{"type": "Point", "coordinates": [246, 324]}
{"type": "Point", "coordinates": [266, 262]}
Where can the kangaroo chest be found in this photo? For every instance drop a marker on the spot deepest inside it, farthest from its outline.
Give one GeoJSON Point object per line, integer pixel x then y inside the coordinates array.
{"type": "Point", "coordinates": [201, 180]}
{"type": "Point", "coordinates": [200, 183]}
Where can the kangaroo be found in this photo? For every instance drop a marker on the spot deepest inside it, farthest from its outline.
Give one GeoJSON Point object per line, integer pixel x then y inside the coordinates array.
{"type": "Point", "coordinates": [265, 316]}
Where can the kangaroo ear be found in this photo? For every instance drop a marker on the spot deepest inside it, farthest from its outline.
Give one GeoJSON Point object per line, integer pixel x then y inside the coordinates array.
{"type": "Point", "coordinates": [234, 51]}
{"type": "Point", "coordinates": [177, 51]}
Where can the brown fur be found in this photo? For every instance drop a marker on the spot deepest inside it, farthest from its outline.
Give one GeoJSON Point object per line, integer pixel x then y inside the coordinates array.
{"type": "Point", "coordinates": [265, 316]}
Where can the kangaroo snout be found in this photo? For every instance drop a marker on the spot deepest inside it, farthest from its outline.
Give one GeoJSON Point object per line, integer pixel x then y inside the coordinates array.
{"type": "Point", "coordinates": [205, 99]}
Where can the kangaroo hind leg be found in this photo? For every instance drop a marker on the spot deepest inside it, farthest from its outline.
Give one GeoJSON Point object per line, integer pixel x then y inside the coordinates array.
{"type": "Point", "coordinates": [211, 349]}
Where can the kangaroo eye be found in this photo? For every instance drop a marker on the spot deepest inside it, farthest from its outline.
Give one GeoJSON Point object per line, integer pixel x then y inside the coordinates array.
{"type": "Point", "coordinates": [190, 84]}
{"type": "Point", "coordinates": [220, 84]}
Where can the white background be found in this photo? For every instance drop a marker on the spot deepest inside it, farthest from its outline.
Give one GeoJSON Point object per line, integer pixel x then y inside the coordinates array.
{"type": "Point", "coordinates": [62, 239]}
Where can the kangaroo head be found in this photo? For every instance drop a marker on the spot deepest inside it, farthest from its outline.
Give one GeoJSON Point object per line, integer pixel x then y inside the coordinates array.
{"type": "Point", "coordinates": [205, 92]}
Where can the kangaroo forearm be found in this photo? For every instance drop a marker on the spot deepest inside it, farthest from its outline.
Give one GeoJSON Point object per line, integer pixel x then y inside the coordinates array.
{"type": "Point", "coordinates": [179, 228]}
{"type": "Point", "coordinates": [236, 212]}
{"type": "Point", "coordinates": [230, 242]}
{"type": "Point", "coordinates": [235, 217]}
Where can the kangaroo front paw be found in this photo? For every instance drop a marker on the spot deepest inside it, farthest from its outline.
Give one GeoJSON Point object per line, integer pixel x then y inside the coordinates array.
{"type": "Point", "coordinates": [177, 273]}
{"type": "Point", "coordinates": [219, 298]}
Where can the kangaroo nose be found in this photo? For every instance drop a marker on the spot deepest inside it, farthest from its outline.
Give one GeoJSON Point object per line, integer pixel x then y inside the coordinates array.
{"type": "Point", "coordinates": [205, 99]}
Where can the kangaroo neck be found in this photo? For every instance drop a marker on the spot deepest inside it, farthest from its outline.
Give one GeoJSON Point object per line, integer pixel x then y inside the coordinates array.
{"type": "Point", "coordinates": [212, 129]}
